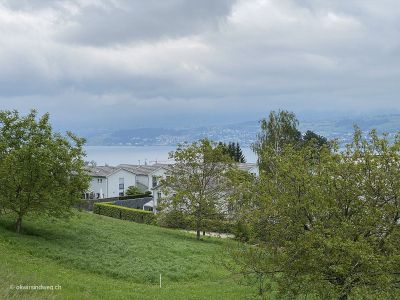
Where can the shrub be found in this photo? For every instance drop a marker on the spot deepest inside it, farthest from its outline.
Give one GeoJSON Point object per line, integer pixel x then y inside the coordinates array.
{"type": "Point", "coordinates": [177, 219]}
{"type": "Point", "coordinates": [124, 213]}
{"type": "Point", "coordinates": [174, 219]}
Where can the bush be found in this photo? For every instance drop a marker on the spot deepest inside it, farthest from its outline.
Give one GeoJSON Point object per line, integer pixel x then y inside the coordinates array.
{"type": "Point", "coordinates": [177, 219]}
{"type": "Point", "coordinates": [124, 213]}
{"type": "Point", "coordinates": [174, 219]}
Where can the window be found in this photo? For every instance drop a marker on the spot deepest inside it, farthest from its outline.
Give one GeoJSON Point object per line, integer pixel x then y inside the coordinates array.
{"type": "Point", "coordinates": [159, 195]}
{"type": "Point", "coordinates": [121, 183]}
{"type": "Point", "coordinates": [154, 181]}
{"type": "Point", "coordinates": [121, 194]}
{"type": "Point", "coordinates": [99, 180]}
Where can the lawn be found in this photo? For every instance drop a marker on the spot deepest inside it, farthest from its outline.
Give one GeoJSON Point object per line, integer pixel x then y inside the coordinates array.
{"type": "Point", "coordinates": [96, 257]}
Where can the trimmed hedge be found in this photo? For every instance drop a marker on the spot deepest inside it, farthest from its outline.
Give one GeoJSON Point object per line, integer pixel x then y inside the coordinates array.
{"type": "Point", "coordinates": [124, 213]}
{"type": "Point", "coordinates": [177, 219]}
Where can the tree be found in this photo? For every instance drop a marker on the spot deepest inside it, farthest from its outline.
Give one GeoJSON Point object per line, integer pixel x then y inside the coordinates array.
{"type": "Point", "coordinates": [41, 172]}
{"type": "Point", "coordinates": [239, 156]}
{"type": "Point", "coordinates": [311, 138]}
{"type": "Point", "coordinates": [196, 184]}
{"type": "Point", "coordinates": [233, 150]}
{"type": "Point", "coordinates": [328, 227]}
{"type": "Point", "coordinates": [278, 131]}
{"type": "Point", "coordinates": [133, 191]}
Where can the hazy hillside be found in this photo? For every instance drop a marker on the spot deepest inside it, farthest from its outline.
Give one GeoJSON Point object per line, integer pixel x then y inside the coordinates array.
{"type": "Point", "coordinates": [244, 133]}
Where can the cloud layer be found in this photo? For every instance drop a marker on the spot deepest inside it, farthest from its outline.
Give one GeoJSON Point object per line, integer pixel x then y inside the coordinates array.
{"type": "Point", "coordinates": [121, 63]}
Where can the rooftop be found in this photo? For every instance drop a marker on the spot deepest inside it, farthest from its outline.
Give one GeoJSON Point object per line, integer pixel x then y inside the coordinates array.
{"type": "Point", "coordinates": [101, 171]}
{"type": "Point", "coordinates": [143, 169]}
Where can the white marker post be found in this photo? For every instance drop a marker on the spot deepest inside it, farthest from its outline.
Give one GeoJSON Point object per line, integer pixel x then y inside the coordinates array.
{"type": "Point", "coordinates": [160, 280]}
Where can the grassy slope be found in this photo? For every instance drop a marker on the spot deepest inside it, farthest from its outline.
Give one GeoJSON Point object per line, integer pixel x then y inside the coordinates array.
{"type": "Point", "coordinates": [96, 257]}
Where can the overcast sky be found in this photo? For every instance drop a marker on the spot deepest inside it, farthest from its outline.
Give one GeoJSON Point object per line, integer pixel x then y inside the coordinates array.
{"type": "Point", "coordinates": [126, 63]}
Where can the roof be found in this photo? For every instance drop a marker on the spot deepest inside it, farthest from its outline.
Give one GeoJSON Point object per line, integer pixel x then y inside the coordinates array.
{"type": "Point", "coordinates": [143, 169]}
{"type": "Point", "coordinates": [246, 166]}
{"type": "Point", "coordinates": [149, 204]}
{"type": "Point", "coordinates": [101, 171]}
{"type": "Point", "coordinates": [104, 171]}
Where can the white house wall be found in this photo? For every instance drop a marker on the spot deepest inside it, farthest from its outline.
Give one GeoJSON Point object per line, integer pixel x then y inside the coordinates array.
{"type": "Point", "coordinates": [255, 171]}
{"type": "Point", "coordinates": [98, 187]}
{"type": "Point", "coordinates": [143, 179]}
{"type": "Point", "coordinates": [157, 193]}
{"type": "Point", "coordinates": [159, 174]}
{"type": "Point", "coordinates": [113, 182]}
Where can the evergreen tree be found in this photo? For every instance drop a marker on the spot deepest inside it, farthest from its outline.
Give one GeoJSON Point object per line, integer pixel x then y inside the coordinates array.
{"type": "Point", "coordinates": [233, 150]}
{"type": "Point", "coordinates": [239, 157]}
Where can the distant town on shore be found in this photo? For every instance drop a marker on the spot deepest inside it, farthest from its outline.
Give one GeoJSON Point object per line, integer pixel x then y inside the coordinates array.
{"type": "Point", "coordinates": [245, 132]}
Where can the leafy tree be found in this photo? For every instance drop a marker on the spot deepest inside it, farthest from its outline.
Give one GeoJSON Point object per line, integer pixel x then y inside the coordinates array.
{"type": "Point", "coordinates": [279, 130]}
{"type": "Point", "coordinates": [41, 172]}
{"type": "Point", "coordinates": [328, 227]}
{"type": "Point", "coordinates": [196, 184]}
{"type": "Point", "coordinates": [133, 191]}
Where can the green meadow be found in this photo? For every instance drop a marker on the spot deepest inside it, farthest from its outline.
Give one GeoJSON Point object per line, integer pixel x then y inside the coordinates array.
{"type": "Point", "coordinates": [96, 257]}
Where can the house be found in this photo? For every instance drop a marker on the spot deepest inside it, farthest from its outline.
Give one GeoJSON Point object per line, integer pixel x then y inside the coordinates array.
{"type": "Point", "coordinates": [147, 176]}
{"type": "Point", "coordinates": [250, 168]}
{"type": "Point", "coordinates": [108, 182]}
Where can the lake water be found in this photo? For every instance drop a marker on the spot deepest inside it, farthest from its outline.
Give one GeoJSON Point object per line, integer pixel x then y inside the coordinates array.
{"type": "Point", "coordinates": [114, 155]}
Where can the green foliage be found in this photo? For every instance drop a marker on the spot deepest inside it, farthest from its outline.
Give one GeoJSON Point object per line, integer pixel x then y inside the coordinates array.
{"type": "Point", "coordinates": [41, 172]}
{"type": "Point", "coordinates": [133, 191]}
{"type": "Point", "coordinates": [174, 219]}
{"type": "Point", "coordinates": [95, 257]}
{"type": "Point", "coordinates": [196, 184]}
{"type": "Point", "coordinates": [313, 139]}
{"type": "Point", "coordinates": [279, 131]}
{"type": "Point", "coordinates": [124, 213]}
{"type": "Point", "coordinates": [328, 227]}
{"type": "Point", "coordinates": [233, 150]}
{"type": "Point", "coordinates": [178, 219]}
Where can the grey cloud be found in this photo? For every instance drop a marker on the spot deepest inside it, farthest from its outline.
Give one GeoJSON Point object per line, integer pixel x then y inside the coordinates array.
{"type": "Point", "coordinates": [126, 21]}
{"type": "Point", "coordinates": [124, 63]}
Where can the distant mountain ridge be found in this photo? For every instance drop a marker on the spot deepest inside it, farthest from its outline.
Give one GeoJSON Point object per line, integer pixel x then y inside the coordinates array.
{"type": "Point", "coordinates": [245, 132]}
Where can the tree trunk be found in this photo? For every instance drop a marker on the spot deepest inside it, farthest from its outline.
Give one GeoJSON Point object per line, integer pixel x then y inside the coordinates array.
{"type": "Point", "coordinates": [18, 225]}
{"type": "Point", "coordinates": [198, 234]}
{"type": "Point", "coordinates": [204, 233]}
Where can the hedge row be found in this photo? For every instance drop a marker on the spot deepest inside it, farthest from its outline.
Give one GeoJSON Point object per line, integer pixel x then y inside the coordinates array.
{"type": "Point", "coordinates": [176, 219]}
{"type": "Point", "coordinates": [124, 213]}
